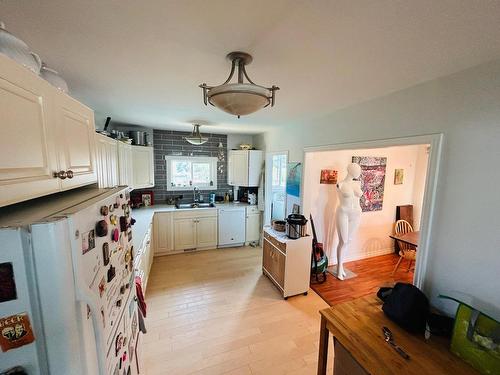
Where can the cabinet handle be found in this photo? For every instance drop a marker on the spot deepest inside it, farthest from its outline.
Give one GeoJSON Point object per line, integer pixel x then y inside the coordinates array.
{"type": "Point", "coordinates": [61, 174]}
{"type": "Point", "coordinates": [69, 173]}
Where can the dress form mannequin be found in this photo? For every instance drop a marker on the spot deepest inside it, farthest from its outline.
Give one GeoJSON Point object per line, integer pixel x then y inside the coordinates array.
{"type": "Point", "coordinates": [348, 213]}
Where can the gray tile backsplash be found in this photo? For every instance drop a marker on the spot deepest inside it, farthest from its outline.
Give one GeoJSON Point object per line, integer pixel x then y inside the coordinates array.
{"type": "Point", "coordinates": [169, 142]}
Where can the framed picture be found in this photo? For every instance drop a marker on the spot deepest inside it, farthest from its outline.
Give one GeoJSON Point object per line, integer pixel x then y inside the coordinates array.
{"type": "Point", "coordinates": [147, 198]}
{"type": "Point", "coordinates": [398, 176]}
{"type": "Point", "coordinates": [328, 176]}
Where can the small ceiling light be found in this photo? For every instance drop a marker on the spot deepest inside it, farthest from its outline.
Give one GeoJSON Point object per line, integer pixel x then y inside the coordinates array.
{"type": "Point", "coordinates": [196, 138]}
{"type": "Point", "coordinates": [239, 98]}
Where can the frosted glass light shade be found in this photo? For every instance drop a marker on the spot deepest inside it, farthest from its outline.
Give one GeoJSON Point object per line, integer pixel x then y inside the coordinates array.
{"type": "Point", "coordinates": [239, 98]}
{"type": "Point", "coordinates": [196, 141]}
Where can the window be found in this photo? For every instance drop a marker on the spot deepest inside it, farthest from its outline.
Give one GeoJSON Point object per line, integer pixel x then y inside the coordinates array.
{"type": "Point", "coordinates": [186, 173]}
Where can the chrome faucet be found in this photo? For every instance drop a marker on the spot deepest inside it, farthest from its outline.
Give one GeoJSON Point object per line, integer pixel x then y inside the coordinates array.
{"type": "Point", "coordinates": [195, 192]}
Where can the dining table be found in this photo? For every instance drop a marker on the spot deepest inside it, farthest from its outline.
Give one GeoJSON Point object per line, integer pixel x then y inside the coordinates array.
{"type": "Point", "coordinates": [411, 238]}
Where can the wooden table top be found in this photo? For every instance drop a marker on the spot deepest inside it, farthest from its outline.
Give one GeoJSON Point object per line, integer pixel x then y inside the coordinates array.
{"type": "Point", "coordinates": [358, 326]}
{"type": "Point", "coordinates": [410, 237]}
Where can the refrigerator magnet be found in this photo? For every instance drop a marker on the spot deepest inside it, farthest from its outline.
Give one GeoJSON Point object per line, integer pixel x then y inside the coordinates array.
{"type": "Point", "coordinates": [88, 241]}
{"type": "Point", "coordinates": [15, 331]}
{"type": "Point", "coordinates": [105, 253]}
{"type": "Point", "coordinates": [102, 287]}
{"type": "Point", "coordinates": [104, 210]}
{"type": "Point", "coordinates": [111, 273]}
{"type": "Point", "coordinates": [8, 290]}
{"type": "Point", "coordinates": [115, 235]}
{"type": "Point", "coordinates": [101, 228]}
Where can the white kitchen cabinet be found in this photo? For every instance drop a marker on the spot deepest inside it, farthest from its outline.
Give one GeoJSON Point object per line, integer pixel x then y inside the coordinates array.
{"type": "Point", "coordinates": [45, 134]}
{"type": "Point", "coordinates": [253, 229]}
{"type": "Point", "coordinates": [163, 232]}
{"type": "Point", "coordinates": [287, 262]}
{"type": "Point", "coordinates": [125, 172]}
{"type": "Point", "coordinates": [106, 161]}
{"type": "Point", "coordinates": [206, 232]}
{"type": "Point", "coordinates": [245, 167]}
{"type": "Point", "coordinates": [27, 147]}
{"type": "Point", "coordinates": [195, 229]}
{"type": "Point", "coordinates": [142, 167]}
{"type": "Point", "coordinates": [75, 141]}
{"type": "Point", "coordinates": [184, 234]}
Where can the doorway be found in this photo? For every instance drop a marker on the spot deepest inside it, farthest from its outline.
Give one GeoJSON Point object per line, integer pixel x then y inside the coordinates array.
{"type": "Point", "coordinates": [275, 202]}
{"type": "Point", "coordinates": [417, 159]}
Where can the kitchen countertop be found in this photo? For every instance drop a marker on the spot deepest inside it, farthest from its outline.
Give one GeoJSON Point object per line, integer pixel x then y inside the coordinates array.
{"type": "Point", "coordinates": [144, 217]}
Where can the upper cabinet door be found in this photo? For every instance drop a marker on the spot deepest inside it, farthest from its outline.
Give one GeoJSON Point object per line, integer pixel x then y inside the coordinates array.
{"type": "Point", "coordinates": [75, 141]}
{"type": "Point", "coordinates": [238, 161]}
{"type": "Point", "coordinates": [106, 161]}
{"type": "Point", "coordinates": [143, 167]}
{"type": "Point", "coordinates": [27, 153]}
{"type": "Point", "coordinates": [125, 175]}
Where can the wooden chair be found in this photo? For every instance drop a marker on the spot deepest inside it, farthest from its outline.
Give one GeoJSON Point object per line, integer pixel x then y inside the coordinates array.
{"type": "Point", "coordinates": [406, 251]}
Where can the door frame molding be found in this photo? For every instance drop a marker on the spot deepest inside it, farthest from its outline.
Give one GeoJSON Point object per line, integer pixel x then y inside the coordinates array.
{"type": "Point", "coordinates": [429, 200]}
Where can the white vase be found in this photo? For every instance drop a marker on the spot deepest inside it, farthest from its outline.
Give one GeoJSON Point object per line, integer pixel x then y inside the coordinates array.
{"type": "Point", "coordinates": [53, 77]}
{"type": "Point", "coordinates": [18, 51]}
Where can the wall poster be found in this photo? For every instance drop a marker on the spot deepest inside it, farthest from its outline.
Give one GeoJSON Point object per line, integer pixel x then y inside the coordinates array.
{"type": "Point", "coordinates": [372, 181]}
{"type": "Point", "coordinates": [293, 178]}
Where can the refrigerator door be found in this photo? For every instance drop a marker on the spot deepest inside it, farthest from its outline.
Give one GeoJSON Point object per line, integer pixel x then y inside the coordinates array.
{"type": "Point", "coordinates": [101, 243]}
{"type": "Point", "coordinates": [18, 297]}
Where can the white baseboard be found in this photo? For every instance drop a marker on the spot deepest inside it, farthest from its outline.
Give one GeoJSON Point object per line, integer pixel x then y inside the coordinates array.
{"type": "Point", "coordinates": [361, 255]}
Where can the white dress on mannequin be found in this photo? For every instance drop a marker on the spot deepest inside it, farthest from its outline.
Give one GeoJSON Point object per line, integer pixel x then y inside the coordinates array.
{"type": "Point", "coordinates": [348, 213]}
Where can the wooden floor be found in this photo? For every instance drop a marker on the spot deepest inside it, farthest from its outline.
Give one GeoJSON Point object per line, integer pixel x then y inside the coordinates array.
{"type": "Point", "coordinates": [213, 312]}
{"type": "Point", "coordinates": [372, 273]}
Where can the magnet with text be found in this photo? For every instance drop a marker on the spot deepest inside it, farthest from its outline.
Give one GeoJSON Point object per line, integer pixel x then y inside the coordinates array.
{"type": "Point", "coordinates": [15, 331]}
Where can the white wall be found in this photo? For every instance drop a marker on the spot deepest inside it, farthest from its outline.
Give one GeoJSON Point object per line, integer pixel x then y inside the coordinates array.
{"type": "Point", "coordinates": [465, 107]}
{"type": "Point", "coordinates": [321, 200]}
{"type": "Point", "coordinates": [235, 140]}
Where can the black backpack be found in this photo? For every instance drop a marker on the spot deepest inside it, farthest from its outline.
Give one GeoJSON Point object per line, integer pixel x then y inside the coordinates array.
{"type": "Point", "coordinates": [406, 305]}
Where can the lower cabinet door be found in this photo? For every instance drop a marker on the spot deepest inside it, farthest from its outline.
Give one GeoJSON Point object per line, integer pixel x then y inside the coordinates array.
{"type": "Point", "coordinates": [266, 256]}
{"type": "Point", "coordinates": [184, 234]}
{"type": "Point", "coordinates": [163, 233]}
{"type": "Point", "coordinates": [274, 263]}
{"type": "Point", "coordinates": [252, 228]}
{"type": "Point", "coordinates": [206, 232]}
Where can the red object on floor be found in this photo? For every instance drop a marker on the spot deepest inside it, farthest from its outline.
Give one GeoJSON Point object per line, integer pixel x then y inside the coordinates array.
{"type": "Point", "coordinates": [140, 295]}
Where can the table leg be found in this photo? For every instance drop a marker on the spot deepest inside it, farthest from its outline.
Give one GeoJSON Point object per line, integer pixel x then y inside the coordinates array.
{"type": "Point", "coordinates": [323, 347]}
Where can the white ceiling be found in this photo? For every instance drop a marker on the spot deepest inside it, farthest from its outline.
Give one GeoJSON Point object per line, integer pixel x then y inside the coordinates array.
{"type": "Point", "coordinates": [141, 61]}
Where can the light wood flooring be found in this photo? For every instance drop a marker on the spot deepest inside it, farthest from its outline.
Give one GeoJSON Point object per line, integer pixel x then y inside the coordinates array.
{"type": "Point", "coordinates": [213, 312]}
{"type": "Point", "coordinates": [372, 273]}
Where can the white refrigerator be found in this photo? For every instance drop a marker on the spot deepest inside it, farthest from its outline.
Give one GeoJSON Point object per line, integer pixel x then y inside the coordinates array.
{"type": "Point", "coordinates": [67, 291]}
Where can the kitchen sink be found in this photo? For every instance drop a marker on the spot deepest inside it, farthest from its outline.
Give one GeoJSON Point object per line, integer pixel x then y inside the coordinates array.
{"type": "Point", "coordinates": [193, 205]}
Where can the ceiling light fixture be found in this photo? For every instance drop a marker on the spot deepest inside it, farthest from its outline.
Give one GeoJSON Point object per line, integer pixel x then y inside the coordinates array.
{"type": "Point", "coordinates": [196, 138]}
{"type": "Point", "coordinates": [239, 98]}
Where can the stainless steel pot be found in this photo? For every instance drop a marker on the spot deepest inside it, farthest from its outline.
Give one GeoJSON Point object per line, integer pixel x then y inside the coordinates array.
{"type": "Point", "coordinates": [296, 226]}
{"type": "Point", "coordinates": [138, 137]}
